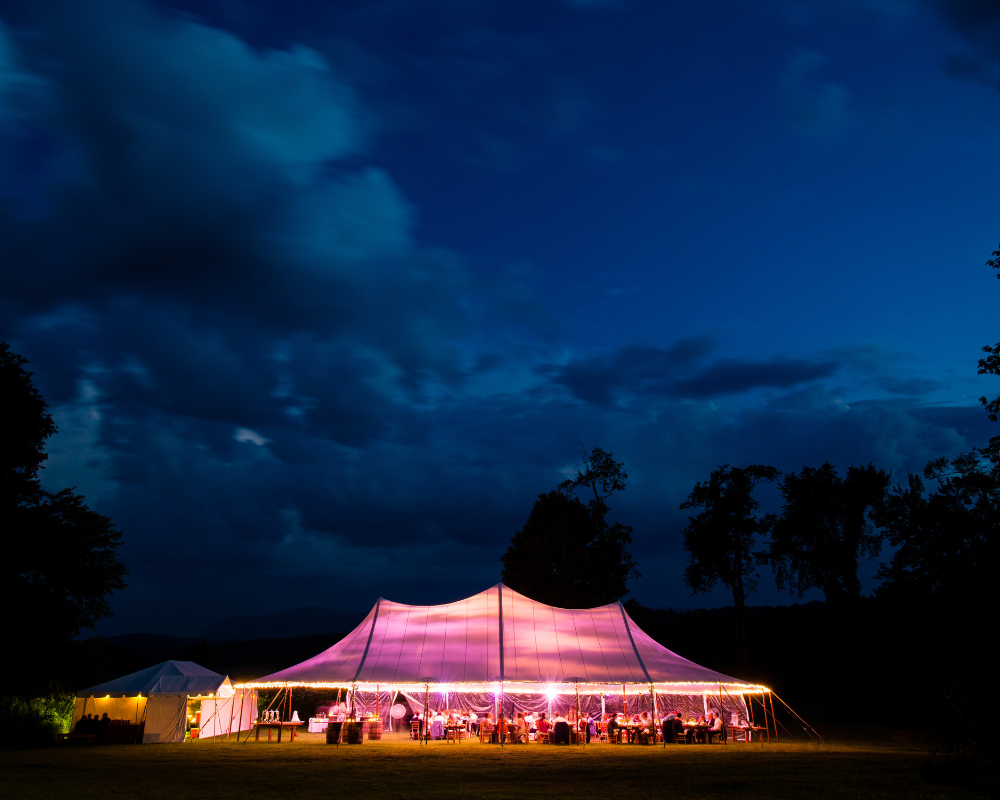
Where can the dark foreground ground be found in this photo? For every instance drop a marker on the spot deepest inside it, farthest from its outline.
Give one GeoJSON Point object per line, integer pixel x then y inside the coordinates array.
{"type": "Point", "coordinates": [868, 766]}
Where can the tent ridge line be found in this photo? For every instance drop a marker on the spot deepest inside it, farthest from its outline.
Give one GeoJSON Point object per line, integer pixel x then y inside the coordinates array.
{"type": "Point", "coordinates": [371, 633]}
{"type": "Point", "coordinates": [632, 641]}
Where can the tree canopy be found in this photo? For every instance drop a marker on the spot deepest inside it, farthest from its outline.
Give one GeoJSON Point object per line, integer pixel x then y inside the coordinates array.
{"type": "Point", "coordinates": [60, 562]}
{"type": "Point", "coordinates": [947, 540]}
{"type": "Point", "coordinates": [720, 540]}
{"type": "Point", "coordinates": [825, 531]}
{"type": "Point", "coordinates": [567, 554]}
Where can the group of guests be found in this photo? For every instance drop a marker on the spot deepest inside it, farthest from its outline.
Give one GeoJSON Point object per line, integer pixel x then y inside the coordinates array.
{"type": "Point", "coordinates": [704, 729]}
{"type": "Point", "coordinates": [440, 720]}
{"type": "Point", "coordinates": [92, 724]}
{"type": "Point", "coordinates": [523, 727]}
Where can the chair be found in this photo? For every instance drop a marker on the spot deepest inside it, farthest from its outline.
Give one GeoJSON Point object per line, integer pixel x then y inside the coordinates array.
{"type": "Point", "coordinates": [560, 733]}
{"type": "Point", "coordinates": [719, 735]}
{"type": "Point", "coordinates": [414, 729]}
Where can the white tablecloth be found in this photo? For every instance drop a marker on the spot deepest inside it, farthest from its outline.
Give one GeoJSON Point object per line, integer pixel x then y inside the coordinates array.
{"type": "Point", "coordinates": [317, 725]}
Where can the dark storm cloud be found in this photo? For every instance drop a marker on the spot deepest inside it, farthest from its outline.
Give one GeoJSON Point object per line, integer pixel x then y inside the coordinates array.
{"type": "Point", "coordinates": [252, 359]}
{"type": "Point", "coordinates": [674, 372]}
{"type": "Point", "coordinates": [729, 376]}
{"type": "Point", "coordinates": [631, 369]}
{"type": "Point", "coordinates": [979, 22]}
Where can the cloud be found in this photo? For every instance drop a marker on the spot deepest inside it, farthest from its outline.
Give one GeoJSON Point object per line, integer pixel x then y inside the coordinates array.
{"type": "Point", "coordinates": [978, 21]}
{"type": "Point", "coordinates": [675, 372]}
{"type": "Point", "coordinates": [247, 435]}
{"type": "Point", "coordinates": [729, 376]}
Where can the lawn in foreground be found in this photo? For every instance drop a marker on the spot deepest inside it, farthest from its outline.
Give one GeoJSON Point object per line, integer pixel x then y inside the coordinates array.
{"type": "Point", "coordinates": [399, 768]}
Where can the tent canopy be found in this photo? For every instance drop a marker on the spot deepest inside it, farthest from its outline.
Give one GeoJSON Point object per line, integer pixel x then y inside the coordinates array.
{"type": "Point", "coordinates": [171, 678]}
{"type": "Point", "coordinates": [501, 636]}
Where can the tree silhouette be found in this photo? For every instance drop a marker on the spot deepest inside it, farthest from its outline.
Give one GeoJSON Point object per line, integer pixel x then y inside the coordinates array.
{"type": "Point", "coordinates": [59, 561]}
{"type": "Point", "coordinates": [991, 366]}
{"type": "Point", "coordinates": [720, 540]}
{"type": "Point", "coordinates": [947, 540]}
{"type": "Point", "coordinates": [825, 531]}
{"type": "Point", "coordinates": [566, 554]}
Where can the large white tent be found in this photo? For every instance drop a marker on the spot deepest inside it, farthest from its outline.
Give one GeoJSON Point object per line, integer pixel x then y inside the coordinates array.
{"type": "Point", "coordinates": [499, 644]}
{"type": "Point", "coordinates": [159, 696]}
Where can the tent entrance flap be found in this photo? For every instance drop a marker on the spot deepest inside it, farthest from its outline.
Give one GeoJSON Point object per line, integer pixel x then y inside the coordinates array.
{"type": "Point", "coordinates": [166, 720]}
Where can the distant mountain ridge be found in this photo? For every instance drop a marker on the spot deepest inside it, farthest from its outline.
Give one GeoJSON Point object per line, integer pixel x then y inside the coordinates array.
{"type": "Point", "coordinates": [297, 622]}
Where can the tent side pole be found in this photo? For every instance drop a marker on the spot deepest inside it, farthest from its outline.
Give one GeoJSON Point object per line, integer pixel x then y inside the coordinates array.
{"type": "Point", "coordinates": [763, 702]}
{"type": "Point", "coordinates": [722, 712]}
{"type": "Point", "coordinates": [243, 702]}
{"type": "Point", "coordinates": [578, 720]}
{"type": "Point", "coordinates": [427, 705]}
{"type": "Point", "coordinates": [774, 719]}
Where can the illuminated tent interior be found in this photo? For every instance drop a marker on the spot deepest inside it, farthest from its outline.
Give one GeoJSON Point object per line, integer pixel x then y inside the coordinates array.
{"type": "Point", "coordinates": [165, 696]}
{"type": "Point", "coordinates": [500, 647]}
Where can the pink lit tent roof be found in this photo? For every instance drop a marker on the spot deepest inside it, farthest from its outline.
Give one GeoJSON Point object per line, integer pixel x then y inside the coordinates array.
{"type": "Point", "coordinates": [501, 636]}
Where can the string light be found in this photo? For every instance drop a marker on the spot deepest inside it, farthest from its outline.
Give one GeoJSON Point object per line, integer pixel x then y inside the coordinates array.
{"type": "Point", "coordinates": [529, 687]}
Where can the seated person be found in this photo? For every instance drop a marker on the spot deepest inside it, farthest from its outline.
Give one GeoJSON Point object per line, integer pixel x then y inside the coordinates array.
{"type": "Point", "coordinates": [612, 727]}
{"type": "Point", "coordinates": [542, 725]}
{"type": "Point", "coordinates": [522, 728]}
{"type": "Point", "coordinates": [648, 730]}
{"type": "Point", "coordinates": [560, 730]}
{"type": "Point", "coordinates": [716, 730]}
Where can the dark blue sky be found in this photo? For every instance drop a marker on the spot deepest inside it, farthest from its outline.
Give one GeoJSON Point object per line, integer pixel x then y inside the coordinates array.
{"type": "Point", "coordinates": [323, 295]}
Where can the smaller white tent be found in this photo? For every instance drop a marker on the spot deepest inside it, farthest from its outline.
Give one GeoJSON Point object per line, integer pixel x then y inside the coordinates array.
{"type": "Point", "coordinates": [159, 696]}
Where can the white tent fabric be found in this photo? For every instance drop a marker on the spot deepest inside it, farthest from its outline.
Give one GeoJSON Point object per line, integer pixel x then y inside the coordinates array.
{"type": "Point", "coordinates": [500, 636]}
{"type": "Point", "coordinates": [166, 719]}
{"type": "Point", "coordinates": [169, 678]}
{"type": "Point", "coordinates": [159, 696]}
{"type": "Point", "coordinates": [132, 709]}
{"type": "Point", "coordinates": [225, 715]}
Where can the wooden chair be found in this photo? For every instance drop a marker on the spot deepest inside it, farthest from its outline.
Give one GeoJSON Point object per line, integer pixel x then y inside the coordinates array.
{"type": "Point", "coordinates": [414, 729]}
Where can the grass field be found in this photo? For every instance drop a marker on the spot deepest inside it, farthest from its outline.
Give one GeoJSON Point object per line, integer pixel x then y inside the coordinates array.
{"type": "Point", "coordinates": [400, 768]}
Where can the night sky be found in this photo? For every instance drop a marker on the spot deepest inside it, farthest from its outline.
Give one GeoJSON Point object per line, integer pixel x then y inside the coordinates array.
{"type": "Point", "coordinates": [323, 295]}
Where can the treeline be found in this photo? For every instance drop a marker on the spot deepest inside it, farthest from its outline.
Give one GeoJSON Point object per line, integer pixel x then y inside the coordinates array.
{"type": "Point", "coordinates": [922, 650]}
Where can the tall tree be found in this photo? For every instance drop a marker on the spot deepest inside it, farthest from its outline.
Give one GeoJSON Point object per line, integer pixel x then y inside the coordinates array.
{"type": "Point", "coordinates": [825, 532]}
{"type": "Point", "coordinates": [60, 561]}
{"type": "Point", "coordinates": [720, 540]}
{"type": "Point", "coordinates": [947, 540]}
{"type": "Point", "coordinates": [567, 554]}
